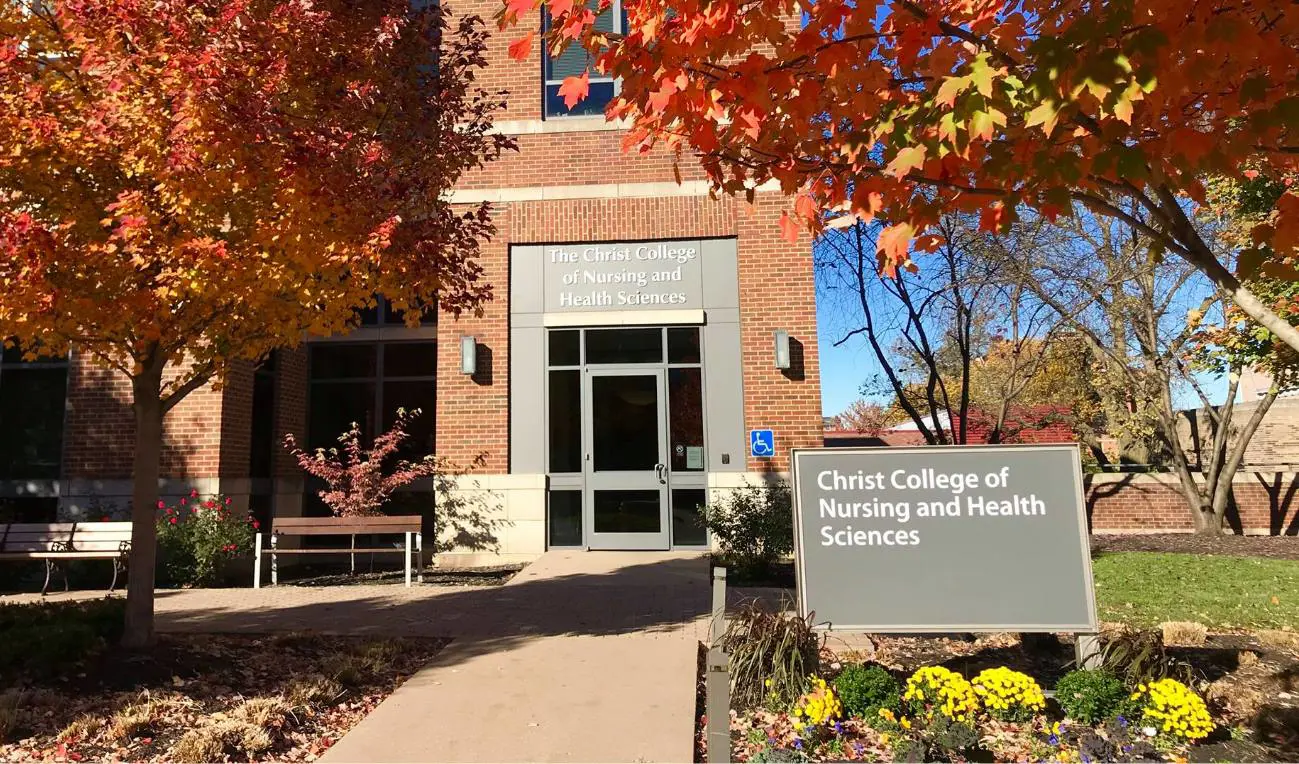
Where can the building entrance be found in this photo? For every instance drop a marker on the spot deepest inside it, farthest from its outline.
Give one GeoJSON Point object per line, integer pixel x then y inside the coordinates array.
{"type": "Point", "coordinates": [626, 472]}
{"type": "Point", "coordinates": [625, 416]}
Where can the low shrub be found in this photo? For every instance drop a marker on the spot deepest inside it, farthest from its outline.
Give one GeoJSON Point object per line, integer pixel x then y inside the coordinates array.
{"type": "Point", "coordinates": [864, 690]}
{"type": "Point", "coordinates": [1174, 710]}
{"type": "Point", "coordinates": [753, 526]}
{"type": "Point", "coordinates": [197, 538]}
{"type": "Point", "coordinates": [42, 639]}
{"type": "Point", "coordinates": [935, 690]}
{"type": "Point", "coordinates": [1008, 695]}
{"type": "Point", "coordinates": [1091, 696]}
{"type": "Point", "coordinates": [771, 656]}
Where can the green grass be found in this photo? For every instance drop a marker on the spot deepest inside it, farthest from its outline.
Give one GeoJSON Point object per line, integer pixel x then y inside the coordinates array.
{"type": "Point", "coordinates": [1146, 588]}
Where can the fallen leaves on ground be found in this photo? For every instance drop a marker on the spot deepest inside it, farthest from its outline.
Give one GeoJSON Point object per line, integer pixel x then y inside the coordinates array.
{"type": "Point", "coordinates": [208, 698]}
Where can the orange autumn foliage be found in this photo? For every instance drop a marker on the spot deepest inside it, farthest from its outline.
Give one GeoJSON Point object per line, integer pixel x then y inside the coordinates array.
{"type": "Point", "coordinates": [902, 110]}
{"type": "Point", "coordinates": [184, 185]}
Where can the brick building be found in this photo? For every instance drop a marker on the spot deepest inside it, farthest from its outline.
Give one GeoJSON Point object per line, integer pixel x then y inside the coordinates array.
{"type": "Point", "coordinates": [633, 340]}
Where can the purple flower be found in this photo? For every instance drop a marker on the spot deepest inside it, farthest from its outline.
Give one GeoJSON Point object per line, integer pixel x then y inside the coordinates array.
{"type": "Point", "coordinates": [1053, 740]}
{"type": "Point", "coordinates": [771, 740]}
{"type": "Point", "coordinates": [1123, 720]}
{"type": "Point", "coordinates": [838, 728]}
{"type": "Point", "coordinates": [798, 743]}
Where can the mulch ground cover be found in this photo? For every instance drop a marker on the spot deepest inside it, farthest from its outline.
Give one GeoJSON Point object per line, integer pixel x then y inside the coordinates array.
{"type": "Point", "coordinates": [1273, 547]}
{"type": "Point", "coordinates": [484, 576]}
{"type": "Point", "coordinates": [205, 698]}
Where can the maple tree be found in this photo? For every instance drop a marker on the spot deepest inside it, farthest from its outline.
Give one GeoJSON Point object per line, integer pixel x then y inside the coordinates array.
{"type": "Point", "coordinates": [185, 186]}
{"type": "Point", "coordinates": [903, 110]}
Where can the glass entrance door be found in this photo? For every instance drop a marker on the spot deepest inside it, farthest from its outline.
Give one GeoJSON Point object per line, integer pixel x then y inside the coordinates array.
{"type": "Point", "coordinates": [626, 465]}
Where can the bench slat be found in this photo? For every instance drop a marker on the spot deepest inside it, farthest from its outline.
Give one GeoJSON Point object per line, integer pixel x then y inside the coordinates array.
{"type": "Point", "coordinates": [357, 530]}
{"type": "Point", "coordinates": [343, 550]}
{"type": "Point", "coordinates": [62, 527]}
{"type": "Point", "coordinates": [294, 522]}
{"type": "Point", "coordinates": [44, 555]}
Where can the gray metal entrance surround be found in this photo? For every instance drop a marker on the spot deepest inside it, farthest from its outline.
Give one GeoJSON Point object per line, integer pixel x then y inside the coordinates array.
{"type": "Point", "coordinates": [707, 288]}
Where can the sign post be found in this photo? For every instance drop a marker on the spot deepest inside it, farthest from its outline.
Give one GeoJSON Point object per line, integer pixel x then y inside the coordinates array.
{"type": "Point", "coordinates": [943, 539]}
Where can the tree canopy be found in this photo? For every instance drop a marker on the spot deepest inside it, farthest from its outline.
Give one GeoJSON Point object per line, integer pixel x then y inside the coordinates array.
{"type": "Point", "coordinates": [903, 110]}
{"type": "Point", "coordinates": [185, 185]}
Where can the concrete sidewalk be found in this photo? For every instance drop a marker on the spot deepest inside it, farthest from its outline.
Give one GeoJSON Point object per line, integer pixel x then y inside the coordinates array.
{"type": "Point", "coordinates": [615, 682]}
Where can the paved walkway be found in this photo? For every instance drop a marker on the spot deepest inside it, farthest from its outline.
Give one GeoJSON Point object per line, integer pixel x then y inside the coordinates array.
{"type": "Point", "coordinates": [583, 656]}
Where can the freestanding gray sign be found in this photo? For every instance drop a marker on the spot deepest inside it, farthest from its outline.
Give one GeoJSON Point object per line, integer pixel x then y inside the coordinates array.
{"type": "Point", "coordinates": [660, 275]}
{"type": "Point", "coordinates": [937, 539]}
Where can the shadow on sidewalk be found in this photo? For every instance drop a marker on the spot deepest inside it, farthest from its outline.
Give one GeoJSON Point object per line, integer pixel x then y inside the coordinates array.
{"type": "Point", "coordinates": [661, 596]}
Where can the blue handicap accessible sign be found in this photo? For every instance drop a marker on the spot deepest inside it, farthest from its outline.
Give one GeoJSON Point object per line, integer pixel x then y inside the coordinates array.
{"type": "Point", "coordinates": [762, 443]}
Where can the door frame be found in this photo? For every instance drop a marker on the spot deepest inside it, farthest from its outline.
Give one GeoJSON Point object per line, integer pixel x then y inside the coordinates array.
{"type": "Point", "coordinates": [633, 480]}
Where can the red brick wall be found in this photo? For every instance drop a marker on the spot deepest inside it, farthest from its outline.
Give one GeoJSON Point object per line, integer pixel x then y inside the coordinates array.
{"type": "Point", "coordinates": [473, 412]}
{"type": "Point", "coordinates": [1263, 501]}
{"type": "Point", "coordinates": [778, 291]}
{"type": "Point", "coordinates": [290, 406]}
{"type": "Point", "coordinates": [99, 433]}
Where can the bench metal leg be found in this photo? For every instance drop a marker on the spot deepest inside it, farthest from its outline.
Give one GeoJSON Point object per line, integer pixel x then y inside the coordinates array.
{"type": "Point", "coordinates": [118, 567]}
{"type": "Point", "coordinates": [353, 554]}
{"type": "Point", "coordinates": [275, 567]}
{"type": "Point", "coordinates": [49, 570]}
{"type": "Point", "coordinates": [408, 546]}
{"type": "Point", "coordinates": [257, 560]}
{"type": "Point", "coordinates": [419, 557]}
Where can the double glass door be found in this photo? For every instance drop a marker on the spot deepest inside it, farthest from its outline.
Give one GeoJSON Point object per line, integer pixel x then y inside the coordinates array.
{"type": "Point", "coordinates": [627, 461]}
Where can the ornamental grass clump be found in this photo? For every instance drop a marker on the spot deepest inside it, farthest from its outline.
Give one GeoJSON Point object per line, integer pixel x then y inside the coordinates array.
{"type": "Point", "coordinates": [1173, 710]}
{"type": "Point", "coordinates": [1008, 695]}
{"type": "Point", "coordinates": [934, 690]}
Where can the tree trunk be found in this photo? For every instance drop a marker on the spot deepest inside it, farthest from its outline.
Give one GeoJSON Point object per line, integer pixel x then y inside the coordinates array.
{"type": "Point", "coordinates": [146, 389]}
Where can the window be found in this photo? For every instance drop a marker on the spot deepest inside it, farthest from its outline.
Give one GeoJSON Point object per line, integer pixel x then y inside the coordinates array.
{"type": "Point", "coordinates": [383, 314]}
{"type": "Point", "coordinates": [366, 383]}
{"type": "Point", "coordinates": [575, 60]}
{"type": "Point", "coordinates": [32, 403]}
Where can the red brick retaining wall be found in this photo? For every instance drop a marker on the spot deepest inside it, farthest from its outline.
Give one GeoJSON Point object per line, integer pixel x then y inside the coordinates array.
{"type": "Point", "coordinates": [1265, 503]}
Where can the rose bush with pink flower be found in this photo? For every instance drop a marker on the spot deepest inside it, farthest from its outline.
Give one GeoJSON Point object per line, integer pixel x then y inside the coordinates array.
{"type": "Point", "coordinates": [197, 539]}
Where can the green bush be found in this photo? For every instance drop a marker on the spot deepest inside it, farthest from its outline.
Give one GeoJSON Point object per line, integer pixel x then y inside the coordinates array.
{"type": "Point", "coordinates": [1091, 696]}
{"type": "Point", "coordinates": [197, 538]}
{"type": "Point", "coordinates": [864, 690]}
{"type": "Point", "coordinates": [753, 526]}
{"type": "Point", "coordinates": [771, 656]}
{"type": "Point", "coordinates": [41, 639]}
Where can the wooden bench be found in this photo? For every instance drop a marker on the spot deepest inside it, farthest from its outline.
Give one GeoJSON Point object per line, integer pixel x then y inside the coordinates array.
{"type": "Point", "coordinates": [56, 542]}
{"type": "Point", "coordinates": [409, 525]}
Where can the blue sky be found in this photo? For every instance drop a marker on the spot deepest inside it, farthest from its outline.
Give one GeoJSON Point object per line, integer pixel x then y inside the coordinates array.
{"type": "Point", "coordinates": [844, 369]}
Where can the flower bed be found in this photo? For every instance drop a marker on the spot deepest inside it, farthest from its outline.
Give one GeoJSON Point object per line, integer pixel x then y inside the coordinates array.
{"type": "Point", "coordinates": [945, 701]}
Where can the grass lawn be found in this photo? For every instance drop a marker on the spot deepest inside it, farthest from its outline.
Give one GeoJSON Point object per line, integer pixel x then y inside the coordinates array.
{"type": "Point", "coordinates": [1147, 588]}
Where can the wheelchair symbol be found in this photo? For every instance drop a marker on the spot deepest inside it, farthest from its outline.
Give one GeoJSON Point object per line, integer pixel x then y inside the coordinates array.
{"type": "Point", "coordinates": [762, 443]}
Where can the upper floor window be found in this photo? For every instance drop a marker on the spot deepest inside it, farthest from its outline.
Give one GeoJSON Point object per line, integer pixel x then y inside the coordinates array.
{"type": "Point", "coordinates": [575, 60]}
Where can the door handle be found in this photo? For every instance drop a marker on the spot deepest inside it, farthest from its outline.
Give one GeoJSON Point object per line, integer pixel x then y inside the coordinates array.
{"type": "Point", "coordinates": [660, 472]}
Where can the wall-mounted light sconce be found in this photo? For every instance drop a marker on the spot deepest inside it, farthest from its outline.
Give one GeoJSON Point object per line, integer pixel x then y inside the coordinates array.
{"type": "Point", "coordinates": [782, 349]}
{"type": "Point", "coordinates": [468, 356]}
